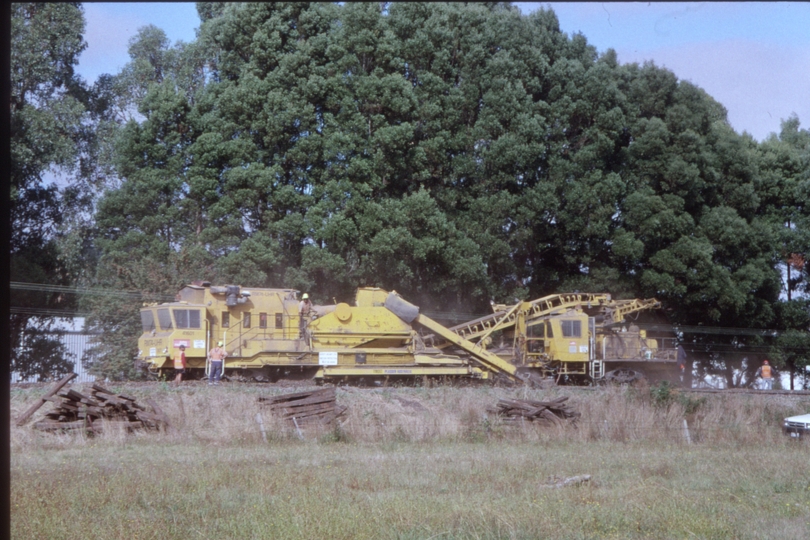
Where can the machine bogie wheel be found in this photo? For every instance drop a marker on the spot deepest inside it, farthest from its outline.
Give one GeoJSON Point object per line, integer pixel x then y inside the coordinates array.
{"type": "Point", "coordinates": [623, 376]}
{"type": "Point", "coordinates": [572, 380]}
{"type": "Point", "coordinates": [501, 379]}
{"type": "Point", "coordinates": [524, 374]}
{"type": "Point", "coordinates": [152, 374]}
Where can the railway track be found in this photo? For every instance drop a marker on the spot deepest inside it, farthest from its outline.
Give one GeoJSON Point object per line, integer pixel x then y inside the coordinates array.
{"type": "Point", "coordinates": [284, 383]}
{"type": "Point", "coordinates": [747, 391]}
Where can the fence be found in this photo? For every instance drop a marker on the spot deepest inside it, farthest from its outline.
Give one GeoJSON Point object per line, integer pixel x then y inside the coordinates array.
{"type": "Point", "coordinates": [76, 343]}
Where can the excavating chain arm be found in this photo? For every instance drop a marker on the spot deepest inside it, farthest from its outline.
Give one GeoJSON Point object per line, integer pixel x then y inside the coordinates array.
{"type": "Point", "coordinates": [506, 316]}
{"type": "Point", "coordinates": [491, 361]}
{"type": "Point", "coordinates": [560, 303]}
{"type": "Point", "coordinates": [410, 314]}
{"type": "Point", "coordinates": [616, 311]}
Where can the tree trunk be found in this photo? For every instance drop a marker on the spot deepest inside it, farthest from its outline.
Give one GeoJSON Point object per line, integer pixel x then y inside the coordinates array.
{"type": "Point", "coordinates": [728, 373]}
{"type": "Point", "coordinates": [689, 378]}
{"type": "Point", "coordinates": [792, 374]}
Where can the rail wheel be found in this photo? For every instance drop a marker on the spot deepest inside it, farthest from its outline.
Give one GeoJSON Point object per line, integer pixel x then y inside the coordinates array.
{"type": "Point", "coordinates": [623, 376]}
{"type": "Point", "coordinates": [529, 376]}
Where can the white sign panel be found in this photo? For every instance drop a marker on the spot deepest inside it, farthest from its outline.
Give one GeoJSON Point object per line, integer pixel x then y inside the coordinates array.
{"type": "Point", "coordinates": [327, 358]}
{"type": "Point", "coordinates": [583, 348]}
{"type": "Point", "coordinates": [199, 343]}
{"type": "Point", "coordinates": [153, 351]}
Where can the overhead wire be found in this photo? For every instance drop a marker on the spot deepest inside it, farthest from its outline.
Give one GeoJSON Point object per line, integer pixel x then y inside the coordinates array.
{"type": "Point", "coordinates": [445, 315]}
{"type": "Point", "coordinates": [90, 291]}
{"type": "Point", "coordinates": [48, 312]}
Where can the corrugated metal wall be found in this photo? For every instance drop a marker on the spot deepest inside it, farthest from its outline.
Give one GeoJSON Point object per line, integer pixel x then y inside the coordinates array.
{"type": "Point", "coordinates": [76, 343]}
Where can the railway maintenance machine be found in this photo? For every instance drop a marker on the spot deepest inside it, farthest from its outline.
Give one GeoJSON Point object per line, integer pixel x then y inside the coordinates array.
{"type": "Point", "coordinates": [575, 338]}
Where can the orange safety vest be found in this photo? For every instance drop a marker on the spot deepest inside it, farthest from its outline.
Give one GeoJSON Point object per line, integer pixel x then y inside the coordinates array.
{"type": "Point", "coordinates": [180, 360]}
{"type": "Point", "coordinates": [766, 372]}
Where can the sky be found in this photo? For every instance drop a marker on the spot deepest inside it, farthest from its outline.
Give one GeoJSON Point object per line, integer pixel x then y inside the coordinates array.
{"type": "Point", "coordinates": [753, 57]}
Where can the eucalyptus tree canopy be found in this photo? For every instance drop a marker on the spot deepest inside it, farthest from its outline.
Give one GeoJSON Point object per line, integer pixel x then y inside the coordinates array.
{"type": "Point", "coordinates": [457, 152]}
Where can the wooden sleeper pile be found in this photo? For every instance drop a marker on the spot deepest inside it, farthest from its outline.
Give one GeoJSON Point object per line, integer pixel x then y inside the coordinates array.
{"type": "Point", "coordinates": [76, 411]}
{"type": "Point", "coordinates": [303, 408]}
{"type": "Point", "coordinates": [553, 412]}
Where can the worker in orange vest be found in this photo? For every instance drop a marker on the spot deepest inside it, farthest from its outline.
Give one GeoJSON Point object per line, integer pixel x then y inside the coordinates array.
{"type": "Point", "coordinates": [767, 375]}
{"type": "Point", "coordinates": [179, 364]}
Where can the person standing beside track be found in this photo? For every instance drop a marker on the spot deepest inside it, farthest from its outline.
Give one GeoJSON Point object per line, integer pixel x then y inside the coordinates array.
{"type": "Point", "coordinates": [217, 356]}
{"type": "Point", "coordinates": [766, 373]}
{"type": "Point", "coordinates": [179, 364]}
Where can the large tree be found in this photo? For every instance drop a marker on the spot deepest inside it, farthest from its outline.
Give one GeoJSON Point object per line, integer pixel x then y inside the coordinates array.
{"type": "Point", "coordinates": [49, 138]}
{"type": "Point", "coordinates": [784, 188]}
{"type": "Point", "coordinates": [459, 153]}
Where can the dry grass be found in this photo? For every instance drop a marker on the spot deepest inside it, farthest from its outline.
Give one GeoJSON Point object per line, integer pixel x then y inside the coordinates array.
{"type": "Point", "coordinates": [420, 463]}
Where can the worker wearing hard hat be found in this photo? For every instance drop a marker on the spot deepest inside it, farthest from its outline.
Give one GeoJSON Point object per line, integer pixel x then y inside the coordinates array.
{"type": "Point", "coordinates": [304, 309]}
{"type": "Point", "coordinates": [217, 356]}
{"type": "Point", "coordinates": [766, 373]}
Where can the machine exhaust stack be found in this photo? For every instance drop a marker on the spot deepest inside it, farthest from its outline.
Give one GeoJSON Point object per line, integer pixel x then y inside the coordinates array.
{"type": "Point", "coordinates": [233, 294]}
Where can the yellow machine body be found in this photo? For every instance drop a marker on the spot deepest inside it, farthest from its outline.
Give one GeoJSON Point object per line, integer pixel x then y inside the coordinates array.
{"type": "Point", "coordinates": [382, 335]}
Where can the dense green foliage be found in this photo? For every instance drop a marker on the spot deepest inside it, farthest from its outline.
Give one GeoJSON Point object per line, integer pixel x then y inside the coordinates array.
{"type": "Point", "coordinates": [458, 153]}
{"type": "Point", "coordinates": [48, 132]}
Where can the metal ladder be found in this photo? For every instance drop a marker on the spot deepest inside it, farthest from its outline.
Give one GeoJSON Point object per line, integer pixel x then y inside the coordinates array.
{"type": "Point", "coordinates": [597, 369]}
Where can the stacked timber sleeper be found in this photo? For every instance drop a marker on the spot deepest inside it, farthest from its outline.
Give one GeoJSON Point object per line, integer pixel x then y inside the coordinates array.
{"type": "Point", "coordinates": [552, 412]}
{"type": "Point", "coordinates": [74, 410]}
{"type": "Point", "coordinates": [316, 407]}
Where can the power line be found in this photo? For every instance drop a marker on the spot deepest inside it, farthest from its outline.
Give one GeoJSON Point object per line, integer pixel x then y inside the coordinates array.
{"type": "Point", "coordinates": [48, 312]}
{"type": "Point", "coordinates": [87, 291]}
{"type": "Point", "coordinates": [718, 330]}
{"type": "Point", "coordinates": [455, 316]}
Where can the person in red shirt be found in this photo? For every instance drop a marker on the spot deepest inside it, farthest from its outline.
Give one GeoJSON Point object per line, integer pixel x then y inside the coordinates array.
{"type": "Point", "coordinates": [179, 364]}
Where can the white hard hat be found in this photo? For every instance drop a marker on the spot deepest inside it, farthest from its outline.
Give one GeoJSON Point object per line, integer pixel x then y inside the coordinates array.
{"type": "Point", "coordinates": [219, 344]}
{"type": "Point", "coordinates": [305, 296]}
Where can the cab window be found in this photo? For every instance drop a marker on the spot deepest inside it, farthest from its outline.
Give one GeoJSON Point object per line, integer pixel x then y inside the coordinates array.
{"type": "Point", "coordinates": [187, 318]}
{"type": "Point", "coordinates": [165, 319]}
{"type": "Point", "coordinates": [147, 321]}
{"type": "Point", "coordinates": [572, 328]}
{"type": "Point", "coordinates": [246, 321]}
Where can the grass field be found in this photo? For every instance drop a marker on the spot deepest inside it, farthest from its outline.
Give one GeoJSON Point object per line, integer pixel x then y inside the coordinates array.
{"type": "Point", "coordinates": [420, 463]}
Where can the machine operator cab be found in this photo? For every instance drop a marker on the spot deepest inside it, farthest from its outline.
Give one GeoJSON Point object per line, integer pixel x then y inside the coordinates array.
{"type": "Point", "coordinates": [245, 321]}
